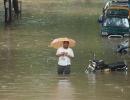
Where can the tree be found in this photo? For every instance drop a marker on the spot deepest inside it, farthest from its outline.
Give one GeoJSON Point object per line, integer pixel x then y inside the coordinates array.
{"type": "Point", "coordinates": [8, 10]}
{"type": "Point", "coordinates": [16, 8]}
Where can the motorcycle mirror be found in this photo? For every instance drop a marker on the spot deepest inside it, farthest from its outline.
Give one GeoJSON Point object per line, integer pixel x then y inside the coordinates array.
{"type": "Point", "coordinates": [90, 60]}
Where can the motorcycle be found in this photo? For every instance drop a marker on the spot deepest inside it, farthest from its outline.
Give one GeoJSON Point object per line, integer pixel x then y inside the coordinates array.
{"type": "Point", "coordinates": [95, 65]}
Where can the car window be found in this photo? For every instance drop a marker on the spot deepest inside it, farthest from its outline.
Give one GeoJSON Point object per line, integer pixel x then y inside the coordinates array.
{"type": "Point", "coordinates": [120, 12]}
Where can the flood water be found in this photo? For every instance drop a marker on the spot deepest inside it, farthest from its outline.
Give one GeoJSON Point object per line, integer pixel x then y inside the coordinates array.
{"type": "Point", "coordinates": [28, 65]}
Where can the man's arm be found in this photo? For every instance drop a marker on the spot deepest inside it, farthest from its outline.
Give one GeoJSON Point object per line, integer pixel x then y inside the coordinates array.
{"type": "Point", "coordinates": [70, 54]}
{"type": "Point", "coordinates": [59, 53]}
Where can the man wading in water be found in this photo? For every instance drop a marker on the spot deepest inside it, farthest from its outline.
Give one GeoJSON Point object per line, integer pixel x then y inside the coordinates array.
{"type": "Point", "coordinates": [65, 54]}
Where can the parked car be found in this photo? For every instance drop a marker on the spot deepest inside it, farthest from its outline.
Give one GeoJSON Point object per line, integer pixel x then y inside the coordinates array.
{"type": "Point", "coordinates": [121, 1]}
{"type": "Point", "coordinates": [119, 8]}
{"type": "Point", "coordinates": [121, 11]}
{"type": "Point", "coordinates": [110, 3]}
{"type": "Point", "coordinates": [117, 11]}
{"type": "Point", "coordinates": [117, 26]}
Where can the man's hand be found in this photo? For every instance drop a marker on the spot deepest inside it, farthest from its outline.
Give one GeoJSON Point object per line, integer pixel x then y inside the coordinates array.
{"type": "Point", "coordinates": [68, 55]}
{"type": "Point", "coordinates": [62, 54]}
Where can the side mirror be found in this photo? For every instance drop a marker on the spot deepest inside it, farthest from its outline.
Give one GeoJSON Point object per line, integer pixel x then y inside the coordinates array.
{"type": "Point", "coordinates": [100, 19]}
{"type": "Point", "coordinates": [90, 60]}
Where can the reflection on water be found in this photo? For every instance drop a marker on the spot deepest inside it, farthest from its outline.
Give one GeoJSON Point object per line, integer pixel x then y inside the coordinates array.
{"type": "Point", "coordinates": [64, 90]}
{"type": "Point", "coordinates": [109, 85]}
{"type": "Point", "coordinates": [91, 78]}
{"type": "Point", "coordinates": [92, 86]}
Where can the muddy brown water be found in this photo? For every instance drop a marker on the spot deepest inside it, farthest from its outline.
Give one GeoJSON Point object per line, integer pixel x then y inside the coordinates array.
{"type": "Point", "coordinates": [28, 66]}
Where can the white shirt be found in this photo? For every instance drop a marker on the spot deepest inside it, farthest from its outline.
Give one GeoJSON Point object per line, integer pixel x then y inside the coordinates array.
{"type": "Point", "coordinates": [64, 60]}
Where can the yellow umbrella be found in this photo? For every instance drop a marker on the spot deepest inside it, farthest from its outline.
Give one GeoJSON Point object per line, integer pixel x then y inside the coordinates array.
{"type": "Point", "coordinates": [58, 42]}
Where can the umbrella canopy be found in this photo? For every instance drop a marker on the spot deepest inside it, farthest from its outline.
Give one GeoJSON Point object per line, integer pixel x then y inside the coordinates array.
{"type": "Point", "coordinates": [58, 42]}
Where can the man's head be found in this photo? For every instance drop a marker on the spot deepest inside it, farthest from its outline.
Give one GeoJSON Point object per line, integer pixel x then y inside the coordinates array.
{"type": "Point", "coordinates": [65, 44]}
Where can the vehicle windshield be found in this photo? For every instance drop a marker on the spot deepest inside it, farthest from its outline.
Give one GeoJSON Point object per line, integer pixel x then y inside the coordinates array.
{"type": "Point", "coordinates": [116, 22]}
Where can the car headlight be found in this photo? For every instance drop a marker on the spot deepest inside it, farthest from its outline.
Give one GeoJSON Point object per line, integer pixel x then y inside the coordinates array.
{"type": "Point", "coordinates": [104, 33]}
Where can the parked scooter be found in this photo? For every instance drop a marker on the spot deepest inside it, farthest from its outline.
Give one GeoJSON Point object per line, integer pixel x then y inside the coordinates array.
{"type": "Point", "coordinates": [122, 48]}
{"type": "Point", "coordinates": [95, 65]}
